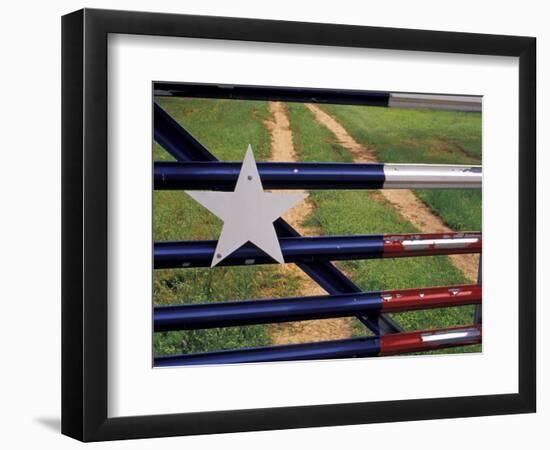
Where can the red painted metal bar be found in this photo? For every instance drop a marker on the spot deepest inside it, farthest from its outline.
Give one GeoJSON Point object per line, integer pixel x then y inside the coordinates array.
{"type": "Point", "coordinates": [420, 341]}
{"type": "Point", "coordinates": [428, 298]}
{"type": "Point", "coordinates": [428, 244]}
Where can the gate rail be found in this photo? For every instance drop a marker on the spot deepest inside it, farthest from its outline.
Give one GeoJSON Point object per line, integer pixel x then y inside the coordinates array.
{"type": "Point", "coordinates": [222, 176]}
{"type": "Point", "coordinates": [254, 312]}
{"type": "Point", "coordinates": [391, 344]}
{"type": "Point", "coordinates": [314, 249]}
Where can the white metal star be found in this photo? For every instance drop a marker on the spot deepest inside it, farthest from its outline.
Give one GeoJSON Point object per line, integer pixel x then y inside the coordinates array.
{"type": "Point", "coordinates": [248, 212]}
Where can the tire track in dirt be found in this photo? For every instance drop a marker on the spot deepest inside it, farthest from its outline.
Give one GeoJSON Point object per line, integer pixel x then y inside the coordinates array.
{"type": "Point", "coordinates": [282, 150]}
{"type": "Point", "coordinates": [404, 201]}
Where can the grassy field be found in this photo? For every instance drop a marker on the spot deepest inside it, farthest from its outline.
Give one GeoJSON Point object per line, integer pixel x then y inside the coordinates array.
{"type": "Point", "coordinates": [367, 212]}
{"type": "Point", "coordinates": [423, 136]}
{"type": "Point", "coordinates": [226, 127]}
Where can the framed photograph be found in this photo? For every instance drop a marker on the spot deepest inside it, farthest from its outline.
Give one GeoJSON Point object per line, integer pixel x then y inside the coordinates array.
{"type": "Point", "coordinates": [273, 224]}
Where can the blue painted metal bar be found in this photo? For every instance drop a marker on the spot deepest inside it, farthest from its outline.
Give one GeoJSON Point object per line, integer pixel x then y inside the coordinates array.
{"type": "Point", "coordinates": [319, 248]}
{"type": "Point", "coordinates": [337, 96]}
{"type": "Point", "coordinates": [287, 94]}
{"type": "Point", "coordinates": [223, 176]}
{"type": "Point", "coordinates": [391, 344]}
{"type": "Point", "coordinates": [345, 348]}
{"type": "Point", "coordinates": [184, 147]}
{"type": "Point", "coordinates": [251, 312]}
{"type": "Point", "coordinates": [303, 250]}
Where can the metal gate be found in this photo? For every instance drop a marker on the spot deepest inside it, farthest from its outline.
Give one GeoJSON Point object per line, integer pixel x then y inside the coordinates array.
{"type": "Point", "coordinates": [197, 168]}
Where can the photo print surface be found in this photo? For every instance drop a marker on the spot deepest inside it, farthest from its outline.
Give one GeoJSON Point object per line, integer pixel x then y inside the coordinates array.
{"type": "Point", "coordinates": [296, 224]}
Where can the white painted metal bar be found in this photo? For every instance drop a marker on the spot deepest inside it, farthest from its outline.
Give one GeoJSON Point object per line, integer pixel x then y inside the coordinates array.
{"type": "Point", "coordinates": [431, 176]}
{"type": "Point", "coordinates": [431, 101]}
{"type": "Point", "coordinates": [446, 336]}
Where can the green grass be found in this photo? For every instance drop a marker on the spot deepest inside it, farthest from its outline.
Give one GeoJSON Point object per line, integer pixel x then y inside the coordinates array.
{"type": "Point", "coordinates": [226, 127]}
{"type": "Point", "coordinates": [366, 212]}
{"type": "Point", "coordinates": [423, 136]}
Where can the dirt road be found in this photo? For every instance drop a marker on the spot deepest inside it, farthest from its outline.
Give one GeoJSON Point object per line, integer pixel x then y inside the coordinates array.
{"type": "Point", "coordinates": [403, 200]}
{"type": "Point", "coordinates": [282, 150]}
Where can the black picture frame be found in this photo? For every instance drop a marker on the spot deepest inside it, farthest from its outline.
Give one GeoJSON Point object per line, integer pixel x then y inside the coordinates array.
{"type": "Point", "coordinates": [84, 224]}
